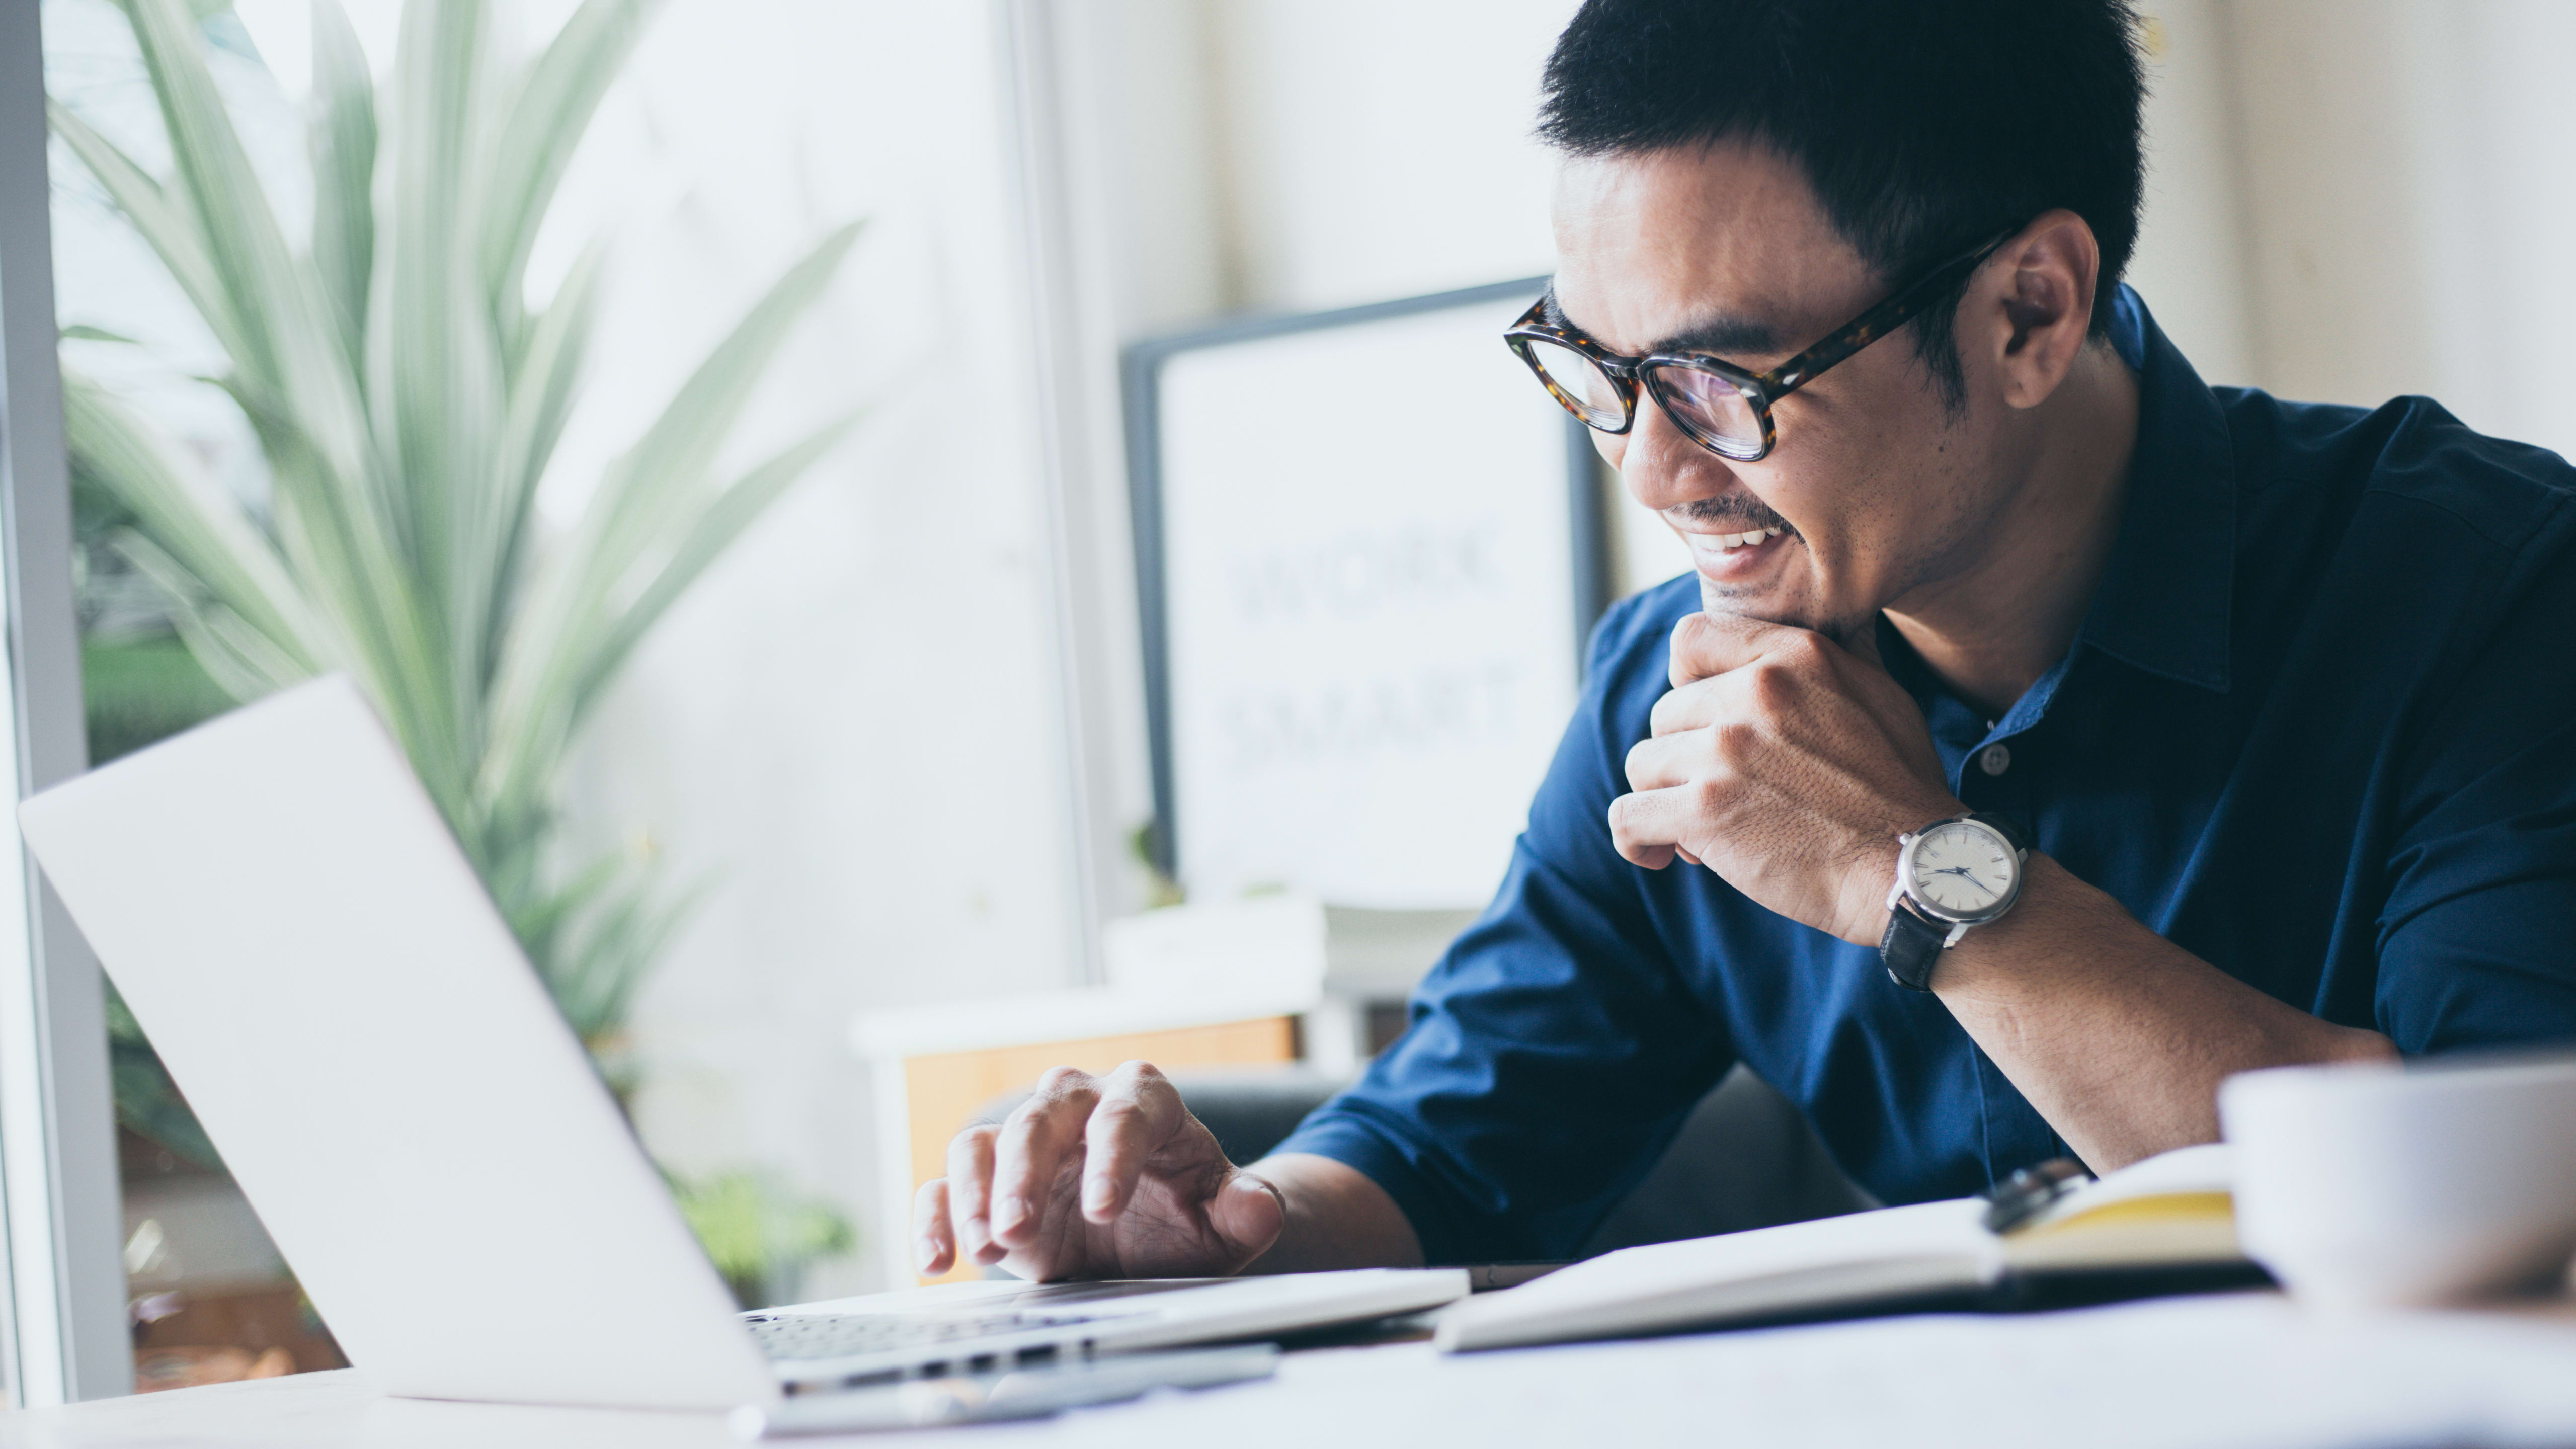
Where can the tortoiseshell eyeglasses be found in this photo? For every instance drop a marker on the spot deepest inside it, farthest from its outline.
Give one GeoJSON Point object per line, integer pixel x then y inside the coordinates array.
{"type": "Point", "coordinates": [1722, 407]}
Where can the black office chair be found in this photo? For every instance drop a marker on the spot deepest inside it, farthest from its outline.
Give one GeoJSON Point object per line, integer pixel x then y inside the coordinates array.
{"type": "Point", "coordinates": [1746, 1158]}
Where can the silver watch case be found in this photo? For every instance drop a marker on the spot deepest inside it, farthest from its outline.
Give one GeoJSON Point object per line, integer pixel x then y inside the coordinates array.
{"type": "Point", "coordinates": [1958, 921]}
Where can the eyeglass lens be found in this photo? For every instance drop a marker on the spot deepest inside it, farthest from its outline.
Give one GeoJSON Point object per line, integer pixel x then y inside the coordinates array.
{"type": "Point", "coordinates": [1585, 390]}
{"type": "Point", "coordinates": [1709, 406]}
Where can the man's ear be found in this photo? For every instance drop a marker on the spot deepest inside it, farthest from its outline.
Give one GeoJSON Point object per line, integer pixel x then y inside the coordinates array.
{"type": "Point", "coordinates": [2042, 289]}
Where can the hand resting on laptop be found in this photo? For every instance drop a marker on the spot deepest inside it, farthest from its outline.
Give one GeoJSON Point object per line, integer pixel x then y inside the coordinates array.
{"type": "Point", "coordinates": [1110, 1176]}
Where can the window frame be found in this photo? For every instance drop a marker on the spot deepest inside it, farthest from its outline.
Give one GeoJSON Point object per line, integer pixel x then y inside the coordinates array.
{"type": "Point", "coordinates": [63, 1320]}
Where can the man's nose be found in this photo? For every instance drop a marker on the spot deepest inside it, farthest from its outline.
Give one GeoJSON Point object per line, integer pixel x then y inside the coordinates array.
{"type": "Point", "coordinates": [1663, 467]}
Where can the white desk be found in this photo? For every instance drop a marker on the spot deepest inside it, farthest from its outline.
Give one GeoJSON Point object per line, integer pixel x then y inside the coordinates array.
{"type": "Point", "coordinates": [2247, 1370]}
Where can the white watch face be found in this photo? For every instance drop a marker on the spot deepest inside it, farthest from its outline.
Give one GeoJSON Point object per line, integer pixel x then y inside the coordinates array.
{"type": "Point", "coordinates": [1961, 869]}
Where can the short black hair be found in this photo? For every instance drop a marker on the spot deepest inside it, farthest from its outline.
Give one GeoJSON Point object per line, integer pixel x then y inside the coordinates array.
{"type": "Point", "coordinates": [1925, 126]}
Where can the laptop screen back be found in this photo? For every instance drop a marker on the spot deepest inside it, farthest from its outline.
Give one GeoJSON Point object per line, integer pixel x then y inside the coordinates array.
{"type": "Point", "coordinates": [285, 911]}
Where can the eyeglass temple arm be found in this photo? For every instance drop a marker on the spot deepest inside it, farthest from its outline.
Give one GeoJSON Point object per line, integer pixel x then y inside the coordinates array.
{"type": "Point", "coordinates": [1878, 321]}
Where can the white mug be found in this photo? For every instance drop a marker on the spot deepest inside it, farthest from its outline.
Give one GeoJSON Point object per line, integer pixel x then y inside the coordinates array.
{"type": "Point", "coordinates": [2383, 1185]}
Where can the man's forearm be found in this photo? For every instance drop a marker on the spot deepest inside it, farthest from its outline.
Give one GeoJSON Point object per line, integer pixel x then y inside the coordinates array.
{"type": "Point", "coordinates": [1336, 1218]}
{"type": "Point", "coordinates": [2117, 1036]}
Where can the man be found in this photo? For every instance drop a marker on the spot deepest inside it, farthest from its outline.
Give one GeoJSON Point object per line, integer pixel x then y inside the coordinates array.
{"type": "Point", "coordinates": [2277, 696]}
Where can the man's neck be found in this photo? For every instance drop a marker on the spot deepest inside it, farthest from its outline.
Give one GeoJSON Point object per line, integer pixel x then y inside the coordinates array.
{"type": "Point", "coordinates": [1990, 631]}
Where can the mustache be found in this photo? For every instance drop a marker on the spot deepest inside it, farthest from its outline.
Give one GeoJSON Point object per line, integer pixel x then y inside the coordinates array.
{"type": "Point", "coordinates": [1746, 513]}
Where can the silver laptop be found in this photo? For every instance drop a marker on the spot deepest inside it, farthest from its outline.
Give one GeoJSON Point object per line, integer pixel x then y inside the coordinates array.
{"type": "Point", "coordinates": [298, 933]}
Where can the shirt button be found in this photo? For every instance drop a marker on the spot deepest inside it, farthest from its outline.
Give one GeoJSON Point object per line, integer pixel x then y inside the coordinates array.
{"type": "Point", "coordinates": [1994, 759]}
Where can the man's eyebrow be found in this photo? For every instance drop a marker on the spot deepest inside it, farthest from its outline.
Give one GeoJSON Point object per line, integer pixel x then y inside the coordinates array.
{"type": "Point", "coordinates": [1723, 334]}
{"type": "Point", "coordinates": [1720, 334]}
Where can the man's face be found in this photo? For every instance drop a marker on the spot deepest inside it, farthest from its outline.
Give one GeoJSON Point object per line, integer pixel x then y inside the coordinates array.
{"type": "Point", "coordinates": [1876, 487]}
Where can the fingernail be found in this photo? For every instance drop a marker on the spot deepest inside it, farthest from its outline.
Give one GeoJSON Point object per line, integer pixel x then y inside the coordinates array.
{"type": "Point", "coordinates": [1007, 1214]}
{"type": "Point", "coordinates": [924, 1253]}
{"type": "Point", "coordinates": [1097, 1196]}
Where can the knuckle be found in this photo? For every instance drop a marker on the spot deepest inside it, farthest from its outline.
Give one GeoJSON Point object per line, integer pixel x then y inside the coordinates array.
{"type": "Point", "coordinates": [1133, 1074]}
{"type": "Point", "coordinates": [1734, 741]}
{"type": "Point", "coordinates": [1057, 1082]}
{"type": "Point", "coordinates": [1775, 681]}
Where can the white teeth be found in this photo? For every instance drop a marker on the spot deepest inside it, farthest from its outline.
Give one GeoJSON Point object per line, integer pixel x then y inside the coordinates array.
{"type": "Point", "coordinates": [1746, 540]}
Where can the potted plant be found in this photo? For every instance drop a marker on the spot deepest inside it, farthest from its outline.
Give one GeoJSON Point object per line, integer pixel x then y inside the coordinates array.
{"type": "Point", "coordinates": [407, 395]}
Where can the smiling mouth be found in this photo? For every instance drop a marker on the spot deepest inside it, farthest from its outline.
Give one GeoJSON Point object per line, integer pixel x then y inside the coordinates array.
{"type": "Point", "coordinates": [1733, 541]}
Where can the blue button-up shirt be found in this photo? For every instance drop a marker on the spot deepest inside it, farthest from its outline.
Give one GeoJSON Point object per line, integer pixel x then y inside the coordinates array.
{"type": "Point", "coordinates": [2318, 729]}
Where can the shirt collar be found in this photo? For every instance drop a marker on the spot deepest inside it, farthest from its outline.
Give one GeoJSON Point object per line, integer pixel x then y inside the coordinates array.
{"type": "Point", "coordinates": [2163, 603]}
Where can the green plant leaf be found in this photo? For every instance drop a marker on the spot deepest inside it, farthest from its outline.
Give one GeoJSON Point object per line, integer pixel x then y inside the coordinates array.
{"type": "Point", "coordinates": [543, 127]}
{"type": "Point", "coordinates": [287, 351]}
{"type": "Point", "coordinates": [83, 332]}
{"type": "Point", "coordinates": [446, 386]}
{"type": "Point", "coordinates": [602, 962]}
{"type": "Point", "coordinates": [680, 447]}
{"type": "Point", "coordinates": [342, 140]}
{"type": "Point", "coordinates": [642, 505]}
{"type": "Point", "coordinates": [166, 226]}
{"type": "Point", "coordinates": [213, 540]}
{"type": "Point", "coordinates": [242, 661]}
{"type": "Point", "coordinates": [540, 401]}
{"type": "Point", "coordinates": [713, 531]}
{"type": "Point", "coordinates": [292, 379]}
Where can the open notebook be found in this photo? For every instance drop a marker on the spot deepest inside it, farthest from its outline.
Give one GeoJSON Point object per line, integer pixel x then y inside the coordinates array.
{"type": "Point", "coordinates": [2168, 1218]}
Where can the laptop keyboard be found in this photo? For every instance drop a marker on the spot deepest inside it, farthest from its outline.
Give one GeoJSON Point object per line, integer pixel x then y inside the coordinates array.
{"type": "Point", "coordinates": [796, 1336]}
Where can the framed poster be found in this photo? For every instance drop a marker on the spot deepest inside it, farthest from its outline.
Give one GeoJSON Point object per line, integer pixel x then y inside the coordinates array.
{"type": "Point", "coordinates": [1369, 550]}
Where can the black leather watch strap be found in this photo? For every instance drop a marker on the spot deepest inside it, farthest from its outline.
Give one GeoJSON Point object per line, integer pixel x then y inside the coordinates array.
{"type": "Point", "coordinates": [1911, 948]}
{"type": "Point", "coordinates": [2003, 825]}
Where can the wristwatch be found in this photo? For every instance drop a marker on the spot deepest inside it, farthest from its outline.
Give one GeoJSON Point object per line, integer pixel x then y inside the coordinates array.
{"type": "Point", "coordinates": [1952, 874]}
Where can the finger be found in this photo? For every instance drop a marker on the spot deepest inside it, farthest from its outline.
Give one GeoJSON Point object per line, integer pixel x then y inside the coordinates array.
{"type": "Point", "coordinates": [1646, 826]}
{"type": "Point", "coordinates": [1660, 764]}
{"type": "Point", "coordinates": [1689, 706]}
{"type": "Point", "coordinates": [1706, 645]}
{"type": "Point", "coordinates": [934, 1241]}
{"type": "Point", "coordinates": [1139, 1111]}
{"type": "Point", "coordinates": [970, 1191]}
{"type": "Point", "coordinates": [1248, 1213]}
{"type": "Point", "coordinates": [1031, 1149]}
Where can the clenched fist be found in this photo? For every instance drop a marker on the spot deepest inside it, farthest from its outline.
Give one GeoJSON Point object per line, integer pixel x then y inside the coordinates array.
{"type": "Point", "coordinates": [1788, 765]}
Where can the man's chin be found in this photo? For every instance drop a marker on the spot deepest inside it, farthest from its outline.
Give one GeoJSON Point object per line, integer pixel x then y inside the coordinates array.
{"type": "Point", "coordinates": [1737, 601]}
{"type": "Point", "coordinates": [1769, 607]}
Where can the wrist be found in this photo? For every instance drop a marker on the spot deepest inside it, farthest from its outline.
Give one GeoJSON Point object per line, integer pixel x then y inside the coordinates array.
{"type": "Point", "coordinates": [2003, 956]}
{"type": "Point", "coordinates": [1871, 881]}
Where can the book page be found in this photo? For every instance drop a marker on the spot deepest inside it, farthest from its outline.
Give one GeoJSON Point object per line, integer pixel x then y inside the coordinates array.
{"type": "Point", "coordinates": [1858, 1257]}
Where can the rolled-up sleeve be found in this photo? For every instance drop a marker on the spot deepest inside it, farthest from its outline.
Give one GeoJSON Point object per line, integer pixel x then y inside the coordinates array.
{"type": "Point", "coordinates": [1554, 1051]}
